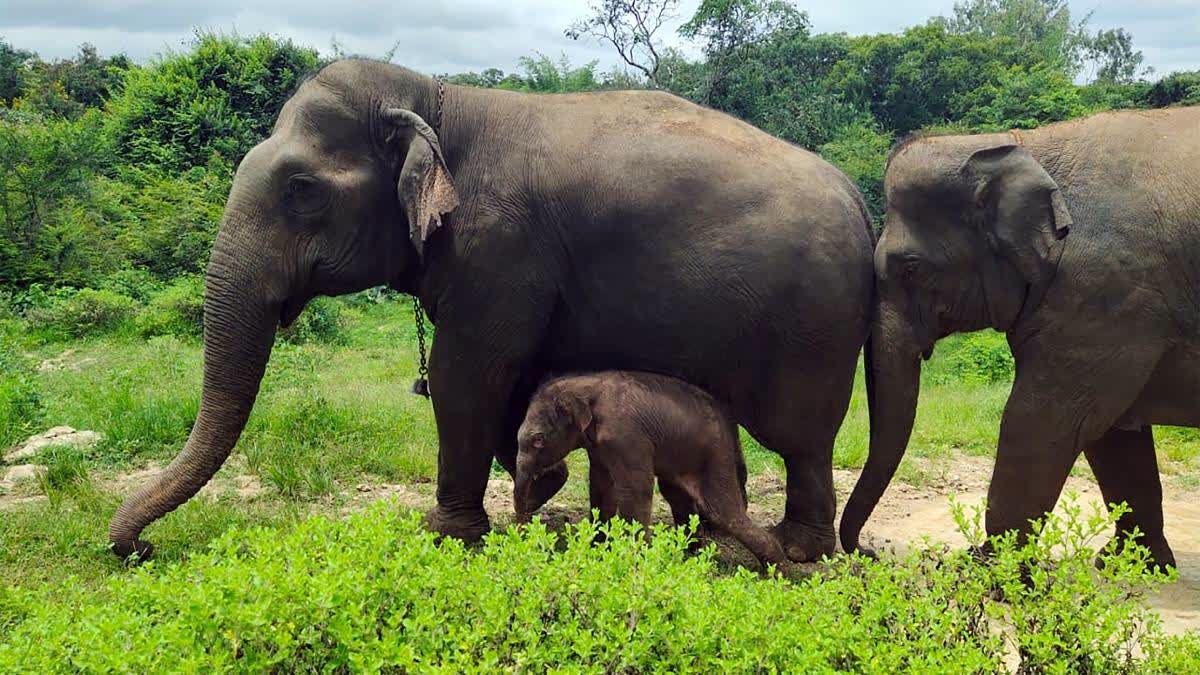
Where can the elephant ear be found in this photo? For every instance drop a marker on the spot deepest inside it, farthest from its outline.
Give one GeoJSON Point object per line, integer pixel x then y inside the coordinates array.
{"type": "Point", "coordinates": [578, 410]}
{"type": "Point", "coordinates": [1019, 207]}
{"type": "Point", "coordinates": [425, 187]}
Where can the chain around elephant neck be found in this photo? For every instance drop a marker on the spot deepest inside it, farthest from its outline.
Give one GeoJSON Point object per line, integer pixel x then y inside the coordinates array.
{"type": "Point", "coordinates": [421, 384]}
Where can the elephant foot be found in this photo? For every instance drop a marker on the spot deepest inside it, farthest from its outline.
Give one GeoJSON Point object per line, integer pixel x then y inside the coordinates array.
{"type": "Point", "coordinates": [469, 526]}
{"type": "Point", "coordinates": [547, 485]}
{"type": "Point", "coordinates": [804, 543]}
{"type": "Point", "coordinates": [1161, 556]}
{"type": "Point", "coordinates": [134, 551]}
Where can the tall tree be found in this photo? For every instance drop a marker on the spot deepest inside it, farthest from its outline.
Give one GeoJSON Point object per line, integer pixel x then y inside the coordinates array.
{"type": "Point", "coordinates": [1115, 59]}
{"type": "Point", "coordinates": [13, 71]}
{"type": "Point", "coordinates": [730, 30]}
{"type": "Point", "coordinates": [1043, 26]}
{"type": "Point", "coordinates": [630, 26]}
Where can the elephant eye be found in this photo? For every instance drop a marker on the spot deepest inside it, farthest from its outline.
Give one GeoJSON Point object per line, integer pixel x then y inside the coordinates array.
{"type": "Point", "coordinates": [539, 441]}
{"type": "Point", "coordinates": [306, 194]}
{"type": "Point", "coordinates": [909, 268]}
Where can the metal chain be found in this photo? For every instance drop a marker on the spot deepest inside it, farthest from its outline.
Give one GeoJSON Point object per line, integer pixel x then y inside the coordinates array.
{"type": "Point", "coordinates": [421, 384]}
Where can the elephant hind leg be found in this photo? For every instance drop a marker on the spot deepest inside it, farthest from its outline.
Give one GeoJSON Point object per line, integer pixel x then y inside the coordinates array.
{"type": "Point", "coordinates": [797, 413]}
{"type": "Point", "coordinates": [1126, 468]}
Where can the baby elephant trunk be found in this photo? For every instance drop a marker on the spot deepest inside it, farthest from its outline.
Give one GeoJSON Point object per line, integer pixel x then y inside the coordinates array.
{"type": "Point", "coordinates": [523, 480]}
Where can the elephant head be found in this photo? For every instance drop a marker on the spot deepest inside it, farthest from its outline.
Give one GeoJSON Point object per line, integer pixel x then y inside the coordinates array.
{"type": "Point", "coordinates": [971, 238]}
{"type": "Point", "coordinates": [556, 423]}
{"type": "Point", "coordinates": [342, 196]}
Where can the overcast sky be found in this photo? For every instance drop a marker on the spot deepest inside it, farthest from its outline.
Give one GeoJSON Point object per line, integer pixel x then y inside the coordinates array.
{"type": "Point", "coordinates": [461, 35]}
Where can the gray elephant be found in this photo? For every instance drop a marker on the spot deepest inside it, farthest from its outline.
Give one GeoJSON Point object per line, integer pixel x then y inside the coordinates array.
{"type": "Point", "coordinates": [1081, 241]}
{"type": "Point", "coordinates": [619, 230]}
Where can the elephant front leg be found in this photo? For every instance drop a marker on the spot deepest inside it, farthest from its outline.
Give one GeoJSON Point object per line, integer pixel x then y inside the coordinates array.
{"type": "Point", "coordinates": [470, 405]}
{"type": "Point", "coordinates": [1127, 470]}
{"type": "Point", "coordinates": [1062, 403]}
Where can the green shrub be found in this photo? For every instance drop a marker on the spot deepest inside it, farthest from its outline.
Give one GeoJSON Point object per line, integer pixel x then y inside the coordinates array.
{"type": "Point", "coordinates": [82, 313]}
{"type": "Point", "coordinates": [861, 151]}
{"type": "Point", "coordinates": [135, 282]}
{"type": "Point", "coordinates": [176, 310]}
{"type": "Point", "coordinates": [1023, 98]}
{"type": "Point", "coordinates": [377, 592]}
{"type": "Point", "coordinates": [20, 402]}
{"type": "Point", "coordinates": [980, 358]}
{"type": "Point", "coordinates": [220, 97]}
{"type": "Point", "coordinates": [320, 322]}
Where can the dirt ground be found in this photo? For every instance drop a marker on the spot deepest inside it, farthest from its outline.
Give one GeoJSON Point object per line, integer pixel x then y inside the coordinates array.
{"type": "Point", "coordinates": [906, 515]}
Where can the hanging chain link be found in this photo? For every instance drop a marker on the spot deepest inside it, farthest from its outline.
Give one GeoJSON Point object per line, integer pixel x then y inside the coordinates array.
{"type": "Point", "coordinates": [421, 384]}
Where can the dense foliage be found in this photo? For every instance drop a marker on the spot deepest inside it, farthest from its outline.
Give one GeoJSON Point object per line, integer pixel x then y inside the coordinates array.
{"type": "Point", "coordinates": [375, 592]}
{"type": "Point", "coordinates": [107, 166]}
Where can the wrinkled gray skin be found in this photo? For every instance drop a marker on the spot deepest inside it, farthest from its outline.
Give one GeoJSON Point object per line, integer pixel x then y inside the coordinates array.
{"type": "Point", "coordinates": [629, 230]}
{"type": "Point", "coordinates": [1081, 241]}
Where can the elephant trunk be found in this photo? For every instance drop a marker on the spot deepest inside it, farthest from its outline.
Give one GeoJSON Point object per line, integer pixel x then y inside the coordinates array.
{"type": "Point", "coordinates": [239, 330]}
{"type": "Point", "coordinates": [893, 376]}
{"type": "Point", "coordinates": [523, 480]}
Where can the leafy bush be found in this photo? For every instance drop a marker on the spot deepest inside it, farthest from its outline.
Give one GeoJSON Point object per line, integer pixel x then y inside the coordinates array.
{"type": "Point", "coordinates": [20, 402]}
{"type": "Point", "coordinates": [320, 322]}
{"type": "Point", "coordinates": [176, 310]}
{"type": "Point", "coordinates": [135, 282]}
{"type": "Point", "coordinates": [861, 151]}
{"type": "Point", "coordinates": [1023, 98]}
{"type": "Point", "coordinates": [376, 592]}
{"type": "Point", "coordinates": [219, 97]}
{"type": "Point", "coordinates": [981, 358]}
{"type": "Point", "coordinates": [81, 313]}
{"type": "Point", "coordinates": [1181, 88]}
{"type": "Point", "coordinates": [46, 171]}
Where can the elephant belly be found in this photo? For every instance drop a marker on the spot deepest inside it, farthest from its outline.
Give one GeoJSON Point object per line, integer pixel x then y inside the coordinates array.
{"type": "Point", "coordinates": [1172, 394]}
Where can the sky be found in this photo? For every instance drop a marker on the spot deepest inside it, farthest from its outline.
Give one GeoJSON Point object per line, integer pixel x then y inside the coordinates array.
{"type": "Point", "coordinates": [450, 36]}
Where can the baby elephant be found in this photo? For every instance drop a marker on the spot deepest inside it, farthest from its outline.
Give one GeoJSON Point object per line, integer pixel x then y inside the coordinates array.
{"type": "Point", "coordinates": [636, 426]}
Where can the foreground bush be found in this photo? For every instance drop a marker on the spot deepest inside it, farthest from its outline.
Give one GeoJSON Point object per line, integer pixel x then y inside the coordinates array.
{"type": "Point", "coordinates": [375, 592]}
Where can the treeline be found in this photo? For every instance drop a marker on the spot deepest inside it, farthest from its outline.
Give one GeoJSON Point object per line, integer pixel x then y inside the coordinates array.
{"type": "Point", "coordinates": [113, 174]}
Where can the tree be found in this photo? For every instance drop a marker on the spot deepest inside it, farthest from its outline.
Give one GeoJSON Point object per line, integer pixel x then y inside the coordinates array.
{"type": "Point", "coordinates": [1115, 58]}
{"type": "Point", "coordinates": [67, 87]}
{"type": "Point", "coordinates": [1043, 26]}
{"type": "Point", "coordinates": [731, 29]}
{"type": "Point", "coordinates": [221, 97]}
{"type": "Point", "coordinates": [630, 26]}
{"type": "Point", "coordinates": [1176, 88]}
{"type": "Point", "coordinates": [13, 71]}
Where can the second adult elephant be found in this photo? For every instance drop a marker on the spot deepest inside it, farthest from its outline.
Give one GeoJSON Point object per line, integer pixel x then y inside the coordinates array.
{"type": "Point", "coordinates": [620, 230]}
{"type": "Point", "coordinates": [1081, 241]}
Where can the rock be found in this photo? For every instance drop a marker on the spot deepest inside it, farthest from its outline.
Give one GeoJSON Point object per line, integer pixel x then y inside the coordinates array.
{"type": "Point", "coordinates": [55, 436]}
{"type": "Point", "coordinates": [16, 474]}
{"type": "Point", "coordinates": [20, 472]}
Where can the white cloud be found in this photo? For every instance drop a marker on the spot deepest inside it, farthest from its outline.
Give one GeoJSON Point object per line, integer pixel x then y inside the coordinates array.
{"type": "Point", "coordinates": [458, 35]}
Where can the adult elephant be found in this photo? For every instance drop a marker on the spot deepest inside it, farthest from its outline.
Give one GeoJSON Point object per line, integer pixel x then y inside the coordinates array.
{"type": "Point", "coordinates": [628, 230]}
{"type": "Point", "coordinates": [1081, 241]}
